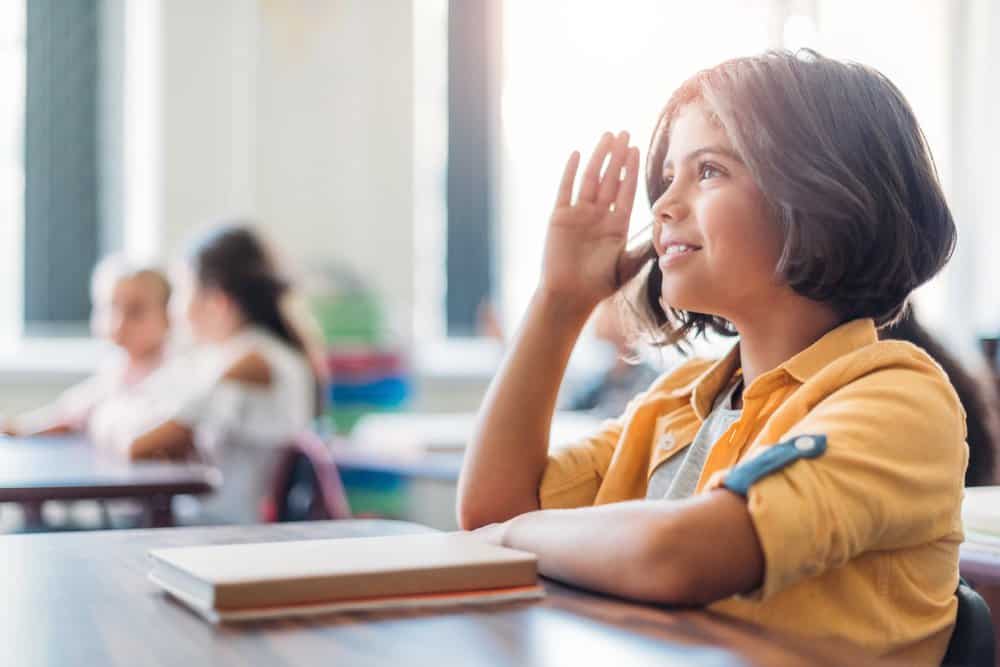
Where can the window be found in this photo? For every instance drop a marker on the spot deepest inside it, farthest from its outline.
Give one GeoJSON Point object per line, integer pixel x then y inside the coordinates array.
{"type": "Point", "coordinates": [71, 159]}
{"type": "Point", "coordinates": [11, 161]}
{"type": "Point", "coordinates": [570, 69]}
{"type": "Point", "coordinates": [61, 163]}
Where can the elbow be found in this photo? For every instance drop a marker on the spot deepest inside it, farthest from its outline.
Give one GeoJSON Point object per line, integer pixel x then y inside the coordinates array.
{"type": "Point", "coordinates": [473, 511]}
{"type": "Point", "coordinates": [470, 518]}
{"type": "Point", "coordinates": [134, 450]}
{"type": "Point", "coordinates": [468, 510]}
{"type": "Point", "coordinates": [142, 447]}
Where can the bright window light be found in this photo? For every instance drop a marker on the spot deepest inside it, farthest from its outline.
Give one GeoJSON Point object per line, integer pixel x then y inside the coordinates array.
{"type": "Point", "coordinates": [573, 69]}
{"type": "Point", "coordinates": [12, 82]}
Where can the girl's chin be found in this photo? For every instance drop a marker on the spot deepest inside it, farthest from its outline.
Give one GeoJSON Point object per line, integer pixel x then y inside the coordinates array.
{"type": "Point", "coordinates": [671, 299]}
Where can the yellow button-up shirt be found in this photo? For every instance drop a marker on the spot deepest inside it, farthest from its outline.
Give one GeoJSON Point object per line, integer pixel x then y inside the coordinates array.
{"type": "Point", "coordinates": [860, 544]}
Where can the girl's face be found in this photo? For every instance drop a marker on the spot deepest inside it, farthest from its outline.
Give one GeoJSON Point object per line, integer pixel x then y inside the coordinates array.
{"type": "Point", "coordinates": [137, 318]}
{"type": "Point", "coordinates": [718, 245]}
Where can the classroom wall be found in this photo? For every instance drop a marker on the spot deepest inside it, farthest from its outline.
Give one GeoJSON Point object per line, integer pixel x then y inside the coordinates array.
{"type": "Point", "coordinates": [299, 113]}
{"type": "Point", "coordinates": [296, 112]}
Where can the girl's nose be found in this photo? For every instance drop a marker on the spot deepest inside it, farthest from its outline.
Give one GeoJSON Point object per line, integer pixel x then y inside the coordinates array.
{"type": "Point", "coordinates": [668, 209]}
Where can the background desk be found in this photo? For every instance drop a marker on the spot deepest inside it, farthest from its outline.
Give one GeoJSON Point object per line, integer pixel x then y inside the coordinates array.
{"type": "Point", "coordinates": [33, 470]}
{"type": "Point", "coordinates": [83, 599]}
{"type": "Point", "coordinates": [402, 483]}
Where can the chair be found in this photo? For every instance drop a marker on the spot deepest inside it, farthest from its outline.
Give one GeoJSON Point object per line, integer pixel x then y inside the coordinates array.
{"type": "Point", "coordinates": [306, 485]}
{"type": "Point", "coordinates": [972, 642]}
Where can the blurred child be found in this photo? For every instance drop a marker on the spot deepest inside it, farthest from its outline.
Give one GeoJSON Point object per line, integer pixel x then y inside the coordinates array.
{"type": "Point", "coordinates": [130, 310]}
{"type": "Point", "coordinates": [245, 389]}
{"type": "Point", "coordinates": [607, 395]}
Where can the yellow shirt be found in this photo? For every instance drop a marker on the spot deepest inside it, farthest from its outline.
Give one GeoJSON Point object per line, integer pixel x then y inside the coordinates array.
{"type": "Point", "coordinates": [861, 543]}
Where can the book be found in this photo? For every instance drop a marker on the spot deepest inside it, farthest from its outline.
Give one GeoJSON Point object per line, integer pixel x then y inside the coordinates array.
{"type": "Point", "coordinates": [242, 582]}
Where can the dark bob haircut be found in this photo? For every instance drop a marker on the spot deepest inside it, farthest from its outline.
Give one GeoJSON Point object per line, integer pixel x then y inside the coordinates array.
{"type": "Point", "coordinates": [843, 164]}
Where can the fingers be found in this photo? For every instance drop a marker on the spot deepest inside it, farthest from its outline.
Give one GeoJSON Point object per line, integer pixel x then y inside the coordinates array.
{"type": "Point", "coordinates": [590, 179]}
{"type": "Point", "coordinates": [566, 184]}
{"type": "Point", "coordinates": [607, 187]}
{"type": "Point", "coordinates": [613, 174]}
{"type": "Point", "coordinates": [626, 190]}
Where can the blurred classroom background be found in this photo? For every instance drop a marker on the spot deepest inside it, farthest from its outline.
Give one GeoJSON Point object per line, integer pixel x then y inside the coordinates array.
{"type": "Point", "coordinates": [403, 156]}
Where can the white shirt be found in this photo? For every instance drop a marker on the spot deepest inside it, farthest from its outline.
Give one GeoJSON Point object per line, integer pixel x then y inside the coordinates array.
{"type": "Point", "coordinates": [75, 406]}
{"type": "Point", "coordinates": [237, 426]}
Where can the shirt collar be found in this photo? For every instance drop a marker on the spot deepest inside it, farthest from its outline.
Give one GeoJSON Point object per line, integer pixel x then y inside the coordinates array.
{"type": "Point", "coordinates": [837, 342]}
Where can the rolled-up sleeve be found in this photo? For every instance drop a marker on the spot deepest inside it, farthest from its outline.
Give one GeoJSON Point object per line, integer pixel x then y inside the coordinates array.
{"type": "Point", "coordinates": [891, 477]}
{"type": "Point", "coordinates": [574, 472]}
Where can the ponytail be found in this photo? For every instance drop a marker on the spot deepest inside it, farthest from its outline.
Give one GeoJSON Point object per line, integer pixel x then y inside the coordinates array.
{"type": "Point", "coordinates": [235, 260]}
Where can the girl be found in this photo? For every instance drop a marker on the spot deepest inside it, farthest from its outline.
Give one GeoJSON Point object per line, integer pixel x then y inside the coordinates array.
{"type": "Point", "coordinates": [246, 388]}
{"type": "Point", "coordinates": [130, 310]}
{"type": "Point", "coordinates": [811, 480]}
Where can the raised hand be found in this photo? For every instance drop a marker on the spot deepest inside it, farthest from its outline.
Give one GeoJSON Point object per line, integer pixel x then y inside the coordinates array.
{"type": "Point", "coordinates": [585, 253]}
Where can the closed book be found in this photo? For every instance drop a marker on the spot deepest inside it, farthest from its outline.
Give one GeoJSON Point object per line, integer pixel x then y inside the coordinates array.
{"type": "Point", "coordinates": [250, 581]}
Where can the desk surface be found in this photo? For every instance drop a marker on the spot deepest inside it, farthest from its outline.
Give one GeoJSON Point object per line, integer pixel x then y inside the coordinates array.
{"type": "Point", "coordinates": [68, 468]}
{"type": "Point", "coordinates": [84, 599]}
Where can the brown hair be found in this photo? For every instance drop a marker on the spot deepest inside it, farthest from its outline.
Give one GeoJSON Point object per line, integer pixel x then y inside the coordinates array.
{"type": "Point", "coordinates": [233, 258]}
{"type": "Point", "coordinates": [841, 161]}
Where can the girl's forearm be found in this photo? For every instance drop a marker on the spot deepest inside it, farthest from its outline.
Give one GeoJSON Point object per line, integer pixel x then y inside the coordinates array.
{"type": "Point", "coordinates": [170, 440]}
{"type": "Point", "coordinates": [508, 453]}
{"type": "Point", "coordinates": [687, 552]}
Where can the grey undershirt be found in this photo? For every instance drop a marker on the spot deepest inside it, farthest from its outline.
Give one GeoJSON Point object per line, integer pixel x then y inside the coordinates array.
{"type": "Point", "coordinates": [677, 477]}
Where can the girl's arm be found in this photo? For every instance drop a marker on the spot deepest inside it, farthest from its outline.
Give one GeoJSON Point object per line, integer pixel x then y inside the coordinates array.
{"type": "Point", "coordinates": [584, 263]}
{"type": "Point", "coordinates": [504, 464]}
{"type": "Point", "coordinates": [689, 552]}
{"type": "Point", "coordinates": [55, 428]}
{"type": "Point", "coordinates": [174, 439]}
{"type": "Point", "coordinates": [171, 440]}
{"type": "Point", "coordinates": [67, 414]}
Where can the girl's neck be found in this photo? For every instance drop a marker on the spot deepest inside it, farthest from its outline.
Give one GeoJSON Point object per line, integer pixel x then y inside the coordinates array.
{"type": "Point", "coordinates": [229, 328]}
{"type": "Point", "coordinates": [139, 367]}
{"type": "Point", "coordinates": [779, 332]}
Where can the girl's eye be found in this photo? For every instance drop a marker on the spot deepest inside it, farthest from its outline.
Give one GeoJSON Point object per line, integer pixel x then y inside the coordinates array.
{"type": "Point", "coordinates": [667, 181]}
{"type": "Point", "coordinates": [708, 170]}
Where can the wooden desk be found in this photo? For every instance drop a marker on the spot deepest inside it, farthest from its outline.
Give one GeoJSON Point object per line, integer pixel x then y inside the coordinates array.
{"type": "Point", "coordinates": [33, 470]}
{"type": "Point", "coordinates": [83, 599]}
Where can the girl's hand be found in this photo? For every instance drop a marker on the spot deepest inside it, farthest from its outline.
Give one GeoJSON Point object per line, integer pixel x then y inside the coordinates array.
{"type": "Point", "coordinates": [585, 259]}
{"type": "Point", "coordinates": [492, 533]}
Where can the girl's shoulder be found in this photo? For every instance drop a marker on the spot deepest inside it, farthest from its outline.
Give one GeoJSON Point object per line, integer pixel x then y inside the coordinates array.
{"type": "Point", "coordinates": [884, 357]}
{"type": "Point", "coordinates": [281, 359]}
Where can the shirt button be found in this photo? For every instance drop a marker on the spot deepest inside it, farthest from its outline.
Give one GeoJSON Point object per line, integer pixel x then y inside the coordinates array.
{"type": "Point", "coordinates": [805, 443]}
{"type": "Point", "coordinates": [666, 441]}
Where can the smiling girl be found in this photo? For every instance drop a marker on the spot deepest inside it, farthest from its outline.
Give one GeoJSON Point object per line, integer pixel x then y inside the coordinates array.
{"type": "Point", "coordinates": [811, 480]}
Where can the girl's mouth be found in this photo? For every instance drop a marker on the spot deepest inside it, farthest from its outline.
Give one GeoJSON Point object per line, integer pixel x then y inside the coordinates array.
{"type": "Point", "coordinates": [676, 252]}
